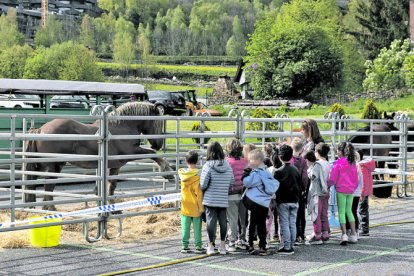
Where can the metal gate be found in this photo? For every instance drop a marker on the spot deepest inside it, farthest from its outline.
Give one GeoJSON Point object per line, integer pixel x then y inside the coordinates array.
{"type": "Point", "coordinates": [177, 133]}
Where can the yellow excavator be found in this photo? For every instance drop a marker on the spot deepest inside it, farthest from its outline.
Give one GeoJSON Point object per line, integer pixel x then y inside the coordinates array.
{"type": "Point", "coordinates": [193, 106]}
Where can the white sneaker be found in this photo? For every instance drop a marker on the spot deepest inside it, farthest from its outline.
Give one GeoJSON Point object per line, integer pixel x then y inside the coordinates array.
{"type": "Point", "coordinates": [344, 239]}
{"type": "Point", "coordinates": [210, 250]}
{"type": "Point", "coordinates": [231, 248]}
{"type": "Point", "coordinates": [310, 237]}
{"type": "Point", "coordinates": [353, 239]}
{"type": "Point", "coordinates": [222, 250]}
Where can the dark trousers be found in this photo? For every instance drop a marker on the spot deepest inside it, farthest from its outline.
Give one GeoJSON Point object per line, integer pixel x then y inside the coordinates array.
{"type": "Point", "coordinates": [355, 204]}
{"type": "Point", "coordinates": [276, 221]}
{"type": "Point", "coordinates": [301, 218]}
{"type": "Point", "coordinates": [257, 221]}
{"type": "Point", "coordinates": [214, 214]}
{"type": "Point", "coordinates": [364, 213]}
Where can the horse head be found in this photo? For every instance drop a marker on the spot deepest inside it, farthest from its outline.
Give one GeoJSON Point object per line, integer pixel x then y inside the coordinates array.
{"type": "Point", "coordinates": [155, 128]}
{"type": "Point", "coordinates": [146, 127]}
{"type": "Point", "coordinates": [391, 117]}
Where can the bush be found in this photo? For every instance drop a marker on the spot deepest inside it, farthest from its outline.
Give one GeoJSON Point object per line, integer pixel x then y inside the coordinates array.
{"type": "Point", "coordinates": [386, 71]}
{"type": "Point", "coordinates": [66, 61]}
{"type": "Point", "coordinates": [299, 61]}
{"type": "Point", "coordinates": [13, 61]}
{"type": "Point", "coordinates": [196, 127]}
{"type": "Point", "coordinates": [370, 110]}
{"type": "Point", "coordinates": [338, 108]}
{"type": "Point", "coordinates": [408, 68]}
{"type": "Point", "coordinates": [256, 126]}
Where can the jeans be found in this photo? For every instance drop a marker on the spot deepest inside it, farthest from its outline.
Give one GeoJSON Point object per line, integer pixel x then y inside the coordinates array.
{"type": "Point", "coordinates": [287, 217]}
{"type": "Point", "coordinates": [185, 231]}
{"type": "Point", "coordinates": [212, 215]}
{"type": "Point", "coordinates": [364, 213]}
{"type": "Point", "coordinates": [258, 215]}
{"type": "Point", "coordinates": [321, 224]}
{"type": "Point", "coordinates": [236, 212]}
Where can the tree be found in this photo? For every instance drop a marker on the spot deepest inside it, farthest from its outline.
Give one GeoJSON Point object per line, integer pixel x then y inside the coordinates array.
{"type": "Point", "coordinates": [66, 61]}
{"type": "Point", "coordinates": [380, 23]}
{"type": "Point", "coordinates": [408, 68]}
{"type": "Point", "coordinates": [176, 30]}
{"type": "Point", "coordinates": [13, 61]}
{"type": "Point", "coordinates": [386, 71]}
{"type": "Point", "coordinates": [86, 36]}
{"type": "Point", "coordinates": [9, 33]}
{"type": "Point", "coordinates": [298, 51]}
{"type": "Point", "coordinates": [104, 31]}
{"type": "Point", "coordinates": [144, 45]}
{"type": "Point", "coordinates": [123, 46]}
{"type": "Point", "coordinates": [157, 41]}
{"type": "Point", "coordinates": [50, 34]}
{"type": "Point", "coordinates": [236, 44]}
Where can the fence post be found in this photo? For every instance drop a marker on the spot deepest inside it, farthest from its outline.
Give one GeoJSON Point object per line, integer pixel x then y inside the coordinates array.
{"type": "Point", "coordinates": [13, 167]}
{"type": "Point", "coordinates": [245, 114]}
{"type": "Point", "coordinates": [403, 150]}
{"type": "Point", "coordinates": [237, 114]}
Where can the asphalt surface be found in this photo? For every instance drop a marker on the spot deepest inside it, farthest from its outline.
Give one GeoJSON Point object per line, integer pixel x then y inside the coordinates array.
{"type": "Point", "coordinates": [389, 250]}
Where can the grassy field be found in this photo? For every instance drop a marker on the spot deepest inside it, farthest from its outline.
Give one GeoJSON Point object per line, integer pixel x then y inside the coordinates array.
{"type": "Point", "coordinates": [200, 91]}
{"type": "Point", "coordinates": [180, 71]}
{"type": "Point", "coordinates": [404, 104]}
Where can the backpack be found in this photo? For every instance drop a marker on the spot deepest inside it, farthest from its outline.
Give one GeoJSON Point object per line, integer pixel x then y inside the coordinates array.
{"type": "Point", "coordinates": [300, 163]}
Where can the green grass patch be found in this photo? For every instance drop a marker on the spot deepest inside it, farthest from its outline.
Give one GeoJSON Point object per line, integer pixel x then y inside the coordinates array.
{"type": "Point", "coordinates": [206, 60]}
{"type": "Point", "coordinates": [200, 91]}
{"type": "Point", "coordinates": [167, 70]}
{"type": "Point", "coordinates": [197, 69]}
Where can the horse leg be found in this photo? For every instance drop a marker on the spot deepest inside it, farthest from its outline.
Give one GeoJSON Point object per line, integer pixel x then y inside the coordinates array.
{"type": "Point", "coordinates": [57, 167]}
{"type": "Point", "coordinates": [164, 165]}
{"type": "Point", "coordinates": [112, 186]}
{"type": "Point", "coordinates": [30, 197]}
{"type": "Point", "coordinates": [49, 188]}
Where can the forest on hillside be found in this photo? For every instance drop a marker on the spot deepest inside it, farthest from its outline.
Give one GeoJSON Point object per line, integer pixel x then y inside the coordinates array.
{"type": "Point", "coordinates": [290, 48]}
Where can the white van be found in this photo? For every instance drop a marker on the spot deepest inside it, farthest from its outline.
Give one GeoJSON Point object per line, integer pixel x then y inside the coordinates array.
{"type": "Point", "coordinates": [19, 101]}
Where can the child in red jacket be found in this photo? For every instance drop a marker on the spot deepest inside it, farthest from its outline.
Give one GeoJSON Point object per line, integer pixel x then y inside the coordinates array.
{"type": "Point", "coordinates": [367, 167]}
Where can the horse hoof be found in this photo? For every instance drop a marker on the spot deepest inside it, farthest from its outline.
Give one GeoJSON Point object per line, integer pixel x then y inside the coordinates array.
{"type": "Point", "coordinates": [49, 208]}
{"type": "Point", "coordinates": [169, 177]}
{"type": "Point", "coordinates": [119, 212]}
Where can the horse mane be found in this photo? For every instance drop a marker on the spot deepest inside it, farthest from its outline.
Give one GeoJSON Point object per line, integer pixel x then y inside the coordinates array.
{"type": "Point", "coordinates": [134, 109]}
{"type": "Point", "coordinates": [138, 109]}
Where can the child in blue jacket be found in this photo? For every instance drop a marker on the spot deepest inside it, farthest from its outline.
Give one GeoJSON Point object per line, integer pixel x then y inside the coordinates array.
{"type": "Point", "coordinates": [260, 186]}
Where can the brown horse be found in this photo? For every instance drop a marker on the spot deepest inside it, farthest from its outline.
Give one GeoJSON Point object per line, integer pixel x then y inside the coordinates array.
{"type": "Point", "coordinates": [115, 147]}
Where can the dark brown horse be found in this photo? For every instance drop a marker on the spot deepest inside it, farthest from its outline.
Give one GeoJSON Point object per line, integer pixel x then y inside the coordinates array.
{"type": "Point", "coordinates": [115, 147]}
{"type": "Point", "coordinates": [378, 139]}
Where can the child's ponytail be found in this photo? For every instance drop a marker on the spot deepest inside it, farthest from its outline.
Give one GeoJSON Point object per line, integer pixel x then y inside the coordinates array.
{"type": "Point", "coordinates": [348, 151]}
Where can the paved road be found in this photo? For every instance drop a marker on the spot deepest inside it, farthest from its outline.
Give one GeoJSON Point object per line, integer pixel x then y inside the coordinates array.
{"type": "Point", "coordinates": [388, 251]}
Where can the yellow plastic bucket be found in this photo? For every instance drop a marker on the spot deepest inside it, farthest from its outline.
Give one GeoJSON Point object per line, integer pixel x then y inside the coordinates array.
{"type": "Point", "coordinates": [45, 236]}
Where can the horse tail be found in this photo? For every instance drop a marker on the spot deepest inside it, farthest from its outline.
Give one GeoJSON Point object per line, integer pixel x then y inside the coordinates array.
{"type": "Point", "coordinates": [32, 147]}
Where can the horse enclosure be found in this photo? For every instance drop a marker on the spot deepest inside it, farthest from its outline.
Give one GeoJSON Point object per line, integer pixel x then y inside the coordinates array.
{"type": "Point", "coordinates": [141, 178]}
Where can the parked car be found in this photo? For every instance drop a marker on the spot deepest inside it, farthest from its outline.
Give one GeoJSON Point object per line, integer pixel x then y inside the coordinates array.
{"type": "Point", "coordinates": [19, 101]}
{"type": "Point", "coordinates": [69, 101]}
{"type": "Point", "coordinates": [167, 102]}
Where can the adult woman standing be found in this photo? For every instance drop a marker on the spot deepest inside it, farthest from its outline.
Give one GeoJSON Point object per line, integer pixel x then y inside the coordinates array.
{"type": "Point", "coordinates": [312, 135]}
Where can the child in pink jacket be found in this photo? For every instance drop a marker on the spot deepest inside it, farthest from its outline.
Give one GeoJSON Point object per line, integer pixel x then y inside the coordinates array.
{"type": "Point", "coordinates": [344, 177]}
{"type": "Point", "coordinates": [367, 167]}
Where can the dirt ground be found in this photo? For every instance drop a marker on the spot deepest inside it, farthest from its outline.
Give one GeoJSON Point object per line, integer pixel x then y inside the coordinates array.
{"type": "Point", "coordinates": [154, 226]}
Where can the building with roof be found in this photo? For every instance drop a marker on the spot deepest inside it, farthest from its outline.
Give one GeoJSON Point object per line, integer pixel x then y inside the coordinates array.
{"type": "Point", "coordinates": [29, 11]}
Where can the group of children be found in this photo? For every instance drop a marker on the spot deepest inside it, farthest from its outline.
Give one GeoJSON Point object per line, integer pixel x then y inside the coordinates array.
{"type": "Point", "coordinates": [244, 190]}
